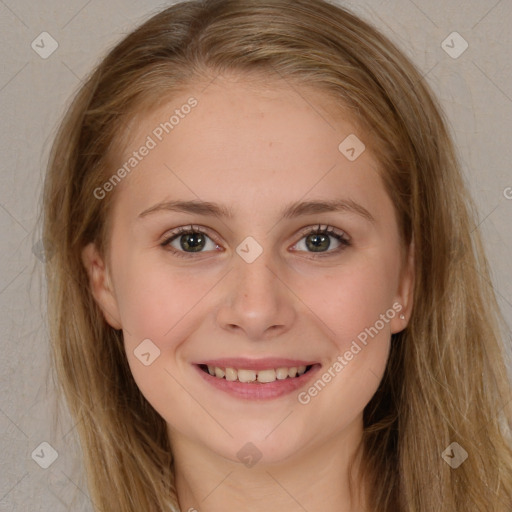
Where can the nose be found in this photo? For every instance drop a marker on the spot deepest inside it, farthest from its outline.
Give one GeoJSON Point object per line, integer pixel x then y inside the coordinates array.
{"type": "Point", "coordinates": [257, 302]}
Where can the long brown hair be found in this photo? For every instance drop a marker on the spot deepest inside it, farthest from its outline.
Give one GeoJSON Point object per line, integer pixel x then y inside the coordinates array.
{"type": "Point", "coordinates": [446, 379]}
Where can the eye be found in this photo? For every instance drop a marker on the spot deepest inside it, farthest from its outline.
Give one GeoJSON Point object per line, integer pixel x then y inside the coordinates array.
{"type": "Point", "coordinates": [318, 242]}
{"type": "Point", "coordinates": [189, 240]}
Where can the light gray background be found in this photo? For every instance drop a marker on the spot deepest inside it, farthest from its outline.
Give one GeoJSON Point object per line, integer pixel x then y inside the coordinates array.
{"type": "Point", "coordinates": [475, 90]}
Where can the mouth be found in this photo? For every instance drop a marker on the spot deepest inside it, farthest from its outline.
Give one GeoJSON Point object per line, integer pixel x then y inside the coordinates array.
{"type": "Point", "coordinates": [257, 380]}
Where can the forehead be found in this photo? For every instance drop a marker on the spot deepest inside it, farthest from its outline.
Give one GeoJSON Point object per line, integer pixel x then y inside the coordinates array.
{"type": "Point", "coordinates": [249, 141]}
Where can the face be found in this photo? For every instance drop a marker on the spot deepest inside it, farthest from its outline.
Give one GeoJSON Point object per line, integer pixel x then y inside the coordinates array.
{"type": "Point", "coordinates": [289, 302]}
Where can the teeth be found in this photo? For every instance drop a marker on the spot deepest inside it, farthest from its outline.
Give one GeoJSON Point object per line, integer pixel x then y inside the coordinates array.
{"type": "Point", "coordinates": [245, 375]}
{"type": "Point", "coordinates": [231, 373]}
{"type": "Point", "coordinates": [263, 376]}
{"type": "Point", "coordinates": [282, 373]}
{"type": "Point", "coordinates": [266, 376]}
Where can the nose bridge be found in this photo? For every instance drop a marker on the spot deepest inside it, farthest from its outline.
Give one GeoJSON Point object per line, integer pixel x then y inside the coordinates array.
{"type": "Point", "coordinates": [255, 282]}
{"type": "Point", "coordinates": [256, 277]}
{"type": "Point", "coordinates": [253, 260]}
{"type": "Point", "coordinates": [256, 299]}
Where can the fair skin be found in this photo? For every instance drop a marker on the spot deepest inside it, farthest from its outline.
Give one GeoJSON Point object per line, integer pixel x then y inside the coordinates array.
{"type": "Point", "coordinates": [255, 150]}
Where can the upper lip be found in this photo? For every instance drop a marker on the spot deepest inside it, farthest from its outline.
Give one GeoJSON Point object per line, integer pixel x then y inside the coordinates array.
{"type": "Point", "coordinates": [267, 363]}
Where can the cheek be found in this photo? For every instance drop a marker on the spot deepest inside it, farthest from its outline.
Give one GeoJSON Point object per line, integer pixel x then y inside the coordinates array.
{"type": "Point", "coordinates": [161, 302]}
{"type": "Point", "coordinates": [154, 299]}
{"type": "Point", "coordinates": [357, 310]}
{"type": "Point", "coordinates": [351, 299]}
{"type": "Point", "coordinates": [158, 307]}
{"type": "Point", "coordinates": [354, 304]}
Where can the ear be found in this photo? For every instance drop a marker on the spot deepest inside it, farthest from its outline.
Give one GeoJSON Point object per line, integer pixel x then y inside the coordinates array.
{"type": "Point", "coordinates": [403, 301]}
{"type": "Point", "coordinates": [101, 285]}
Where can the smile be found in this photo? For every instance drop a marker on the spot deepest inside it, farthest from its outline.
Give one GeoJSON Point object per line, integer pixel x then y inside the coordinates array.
{"type": "Point", "coordinates": [257, 379]}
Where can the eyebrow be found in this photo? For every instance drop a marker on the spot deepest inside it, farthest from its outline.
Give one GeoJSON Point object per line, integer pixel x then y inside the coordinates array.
{"type": "Point", "coordinates": [292, 210]}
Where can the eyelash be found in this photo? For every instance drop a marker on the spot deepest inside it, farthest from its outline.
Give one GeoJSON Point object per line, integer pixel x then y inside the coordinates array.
{"type": "Point", "coordinates": [327, 230]}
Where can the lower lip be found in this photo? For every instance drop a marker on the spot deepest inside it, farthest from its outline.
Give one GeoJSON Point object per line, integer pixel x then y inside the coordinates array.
{"type": "Point", "coordinates": [259, 390]}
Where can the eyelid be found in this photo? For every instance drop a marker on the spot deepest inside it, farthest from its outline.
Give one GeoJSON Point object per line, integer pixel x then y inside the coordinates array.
{"type": "Point", "coordinates": [187, 228]}
{"type": "Point", "coordinates": [331, 230]}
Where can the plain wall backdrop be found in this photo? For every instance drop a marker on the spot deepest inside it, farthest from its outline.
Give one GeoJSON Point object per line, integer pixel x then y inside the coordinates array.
{"type": "Point", "coordinates": [37, 79]}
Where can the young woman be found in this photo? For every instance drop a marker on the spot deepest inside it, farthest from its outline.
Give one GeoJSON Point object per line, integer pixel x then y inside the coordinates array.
{"type": "Point", "coordinates": [267, 290]}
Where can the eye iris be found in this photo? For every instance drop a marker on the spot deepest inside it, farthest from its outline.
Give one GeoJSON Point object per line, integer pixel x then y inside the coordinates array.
{"type": "Point", "coordinates": [192, 241]}
{"type": "Point", "coordinates": [315, 241]}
